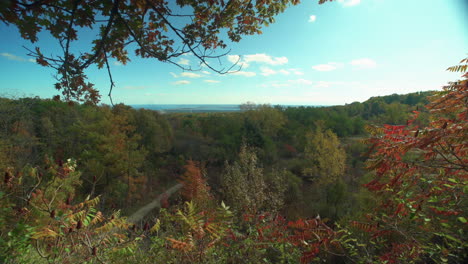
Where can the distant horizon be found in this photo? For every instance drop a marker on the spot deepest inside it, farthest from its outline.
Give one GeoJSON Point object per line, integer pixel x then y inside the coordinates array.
{"type": "Point", "coordinates": [16, 96]}
{"type": "Point", "coordinates": [290, 104]}
{"type": "Point", "coordinates": [203, 108]}
{"type": "Point", "coordinates": [230, 104]}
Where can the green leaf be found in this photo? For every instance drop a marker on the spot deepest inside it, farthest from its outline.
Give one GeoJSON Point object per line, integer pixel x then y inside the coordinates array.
{"type": "Point", "coordinates": [453, 238]}
{"type": "Point", "coordinates": [452, 180]}
{"type": "Point", "coordinates": [445, 225]}
{"type": "Point", "coordinates": [462, 219]}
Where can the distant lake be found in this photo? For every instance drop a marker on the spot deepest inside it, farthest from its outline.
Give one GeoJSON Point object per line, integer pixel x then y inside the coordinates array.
{"type": "Point", "coordinates": [190, 108]}
{"type": "Point", "coordinates": [197, 108]}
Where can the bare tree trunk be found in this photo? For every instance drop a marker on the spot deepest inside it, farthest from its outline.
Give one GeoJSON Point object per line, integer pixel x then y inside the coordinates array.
{"type": "Point", "coordinates": [156, 203]}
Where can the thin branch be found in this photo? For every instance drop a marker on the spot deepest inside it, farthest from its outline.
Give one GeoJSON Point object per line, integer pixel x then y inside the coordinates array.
{"type": "Point", "coordinates": [42, 3]}
{"type": "Point", "coordinates": [176, 15]}
{"type": "Point", "coordinates": [39, 251]}
{"type": "Point", "coordinates": [114, 11]}
{"type": "Point", "coordinates": [55, 196]}
{"type": "Point", "coordinates": [37, 55]}
{"type": "Point", "coordinates": [449, 161]}
{"type": "Point", "coordinates": [66, 48]}
{"type": "Point", "coordinates": [112, 84]}
{"type": "Point", "coordinates": [69, 30]}
{"type": "Point", "coordinates": [451, 150]}
{"type": "Point", "coordinates": [143, 47]}
{"type": "Point", "coordinates": [177, 32]}
{"type": "Point", "coordinates": [33, 4]}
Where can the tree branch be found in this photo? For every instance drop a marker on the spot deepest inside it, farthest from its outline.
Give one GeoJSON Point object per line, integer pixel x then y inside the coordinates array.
{"type": "Point", "coordinates": [176, 31]}
{"type": "Point", "coordinates": [112, 84]}
{"type": "Point", "coordinates": [114, 11]}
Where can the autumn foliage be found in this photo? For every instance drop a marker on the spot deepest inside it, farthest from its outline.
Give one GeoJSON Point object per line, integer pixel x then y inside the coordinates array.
{"type": "Point", "coordinates": [50, 226]}
{"type": "Point", "coordinates": [421, 177]}
{"type": "Point", "coordinates": [195, 187]}
{"type": "Point", "coordinates": [418, 188]}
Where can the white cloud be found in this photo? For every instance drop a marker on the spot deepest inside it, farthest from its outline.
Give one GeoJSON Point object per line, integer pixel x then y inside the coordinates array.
{"type": "Point", "coordinates": [331, 66]}
{"type": "Point", "coordinates": [322, 84]}
{"type": "Point", "coordinates": [348, 3]}
{"type": "Point", "coordinates": [263, 58]}
{"type": "Point", "coordinates": [190, 75]}
{"type": "Point", "coordinates": [284, 72]}
{"type": "Point", "coordinates": [364, 63]}
{"type": "Point", "coordinates": [267, 71]}
{"type": "Point", "coordinates": [324, 67]}
{"type": "Point", "coordinates": [116, 63]}
{"type": "Point", "coordinates": [277, 84]}
{"type": "Point", "coordinates": [211, 81]}
{"type": "Point", "coordinates": [181, 82]}
{"type": "Point", "coordinates": [183, 61]}
{"type": "Point", "coordinates": [312, 18]}
{"type": "Point", "coordinates": [244, 73]}
{"type": "Point", "coordinates": [300, 82]}
{"type": "Point", "coordinates": [14, 57]}
{"type": "Point", "coordinates": [237, 59]}
{"type": "Point", "coordinates": [296, 71]}
{"type": "Point", "coordinates": [233, 58]}
{"type": "Point", "coordinates": [11, 56]}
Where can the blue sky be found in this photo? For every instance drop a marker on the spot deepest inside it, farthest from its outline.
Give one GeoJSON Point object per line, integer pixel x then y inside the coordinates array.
{"type": "Point", "coordinates": [328, 54]}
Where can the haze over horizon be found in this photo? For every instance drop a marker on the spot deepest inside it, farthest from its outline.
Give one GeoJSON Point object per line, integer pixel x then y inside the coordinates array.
{"type": "Point", "coordinates": [329, 54]}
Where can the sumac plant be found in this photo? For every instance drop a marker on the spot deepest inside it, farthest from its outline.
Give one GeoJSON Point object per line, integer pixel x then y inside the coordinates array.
{"type": "Point", "coordinates": [420, 179]}
{"type": "Point", "coordinates": [43, 223]}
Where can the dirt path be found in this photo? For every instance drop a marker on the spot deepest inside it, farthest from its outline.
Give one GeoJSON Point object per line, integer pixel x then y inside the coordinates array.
{"type": "Point", "coordinates": [156, 203]}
